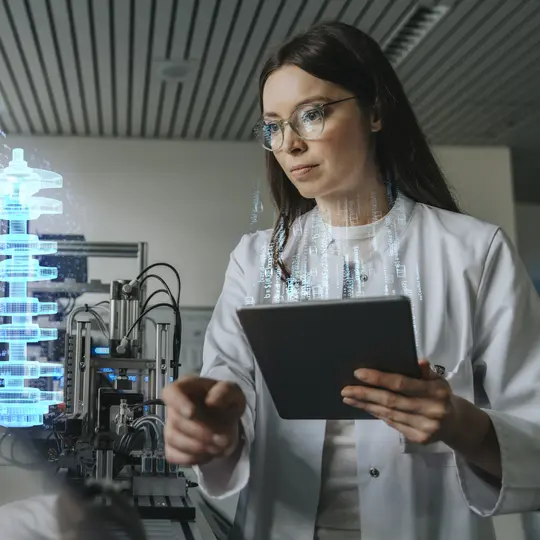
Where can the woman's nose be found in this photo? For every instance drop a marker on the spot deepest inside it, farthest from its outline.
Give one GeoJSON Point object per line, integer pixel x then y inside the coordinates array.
{"type": "Point", "coordinates": [291, 141]}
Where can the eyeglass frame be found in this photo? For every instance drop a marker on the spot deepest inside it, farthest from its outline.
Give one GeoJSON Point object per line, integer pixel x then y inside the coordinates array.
{"type": "Point", "coordinates": [283, 123]}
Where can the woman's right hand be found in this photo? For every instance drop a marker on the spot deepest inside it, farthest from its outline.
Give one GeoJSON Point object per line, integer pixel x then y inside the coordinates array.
{"type": "Point", "coordinates": [203, 420]}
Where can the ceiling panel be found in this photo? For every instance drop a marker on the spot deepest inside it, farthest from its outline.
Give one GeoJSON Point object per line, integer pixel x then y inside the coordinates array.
{"type": "Point", "coordinates": [84, 49]}
{"type": "Point", "coordinates": [260, 34]}
{"type": "Point", "coordinates": [18, 82]}
{"type": "Point", "coordinates": [24, 31]}
{"type": "Point", "coordinates": [102, 44]}
{"type": "Point", "coordinates": [210, 19]}
{"type": "Point", "coordinates": [490, 66]}
{"type": "Point", "coordinates": [65, 47]}
{"type": "Point", "coordinates": [141, 39]}
{"type": "Point", "coordinates": [98, 67]}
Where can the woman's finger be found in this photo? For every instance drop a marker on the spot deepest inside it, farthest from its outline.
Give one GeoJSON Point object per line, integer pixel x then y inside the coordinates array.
{"type": "Point", "coordinates": [184, 459]}
{"type": "Point", "coordinates": [192, 428]}
{"type": "Point", "coordinates": [418, 422]}
{"type": "Point", "coordinates": [184, 443]}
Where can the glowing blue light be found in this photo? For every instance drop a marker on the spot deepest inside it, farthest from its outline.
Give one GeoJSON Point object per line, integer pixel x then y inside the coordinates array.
{"type": "Point", "coordinates": [99, 351]}
{"type": "Point", "coordinates": [22, 406]}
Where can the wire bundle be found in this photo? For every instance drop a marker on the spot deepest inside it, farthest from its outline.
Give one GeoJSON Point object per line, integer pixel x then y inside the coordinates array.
{"type": "Point", "coordinates": [174, 305]}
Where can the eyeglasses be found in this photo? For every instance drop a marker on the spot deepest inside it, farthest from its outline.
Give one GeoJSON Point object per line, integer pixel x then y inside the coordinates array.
{"type": "Point", "coordinates": [307, 122]}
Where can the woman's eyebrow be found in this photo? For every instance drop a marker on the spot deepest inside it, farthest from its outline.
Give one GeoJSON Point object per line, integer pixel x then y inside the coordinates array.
{"type": "Point", "coordinates": [303, 102]}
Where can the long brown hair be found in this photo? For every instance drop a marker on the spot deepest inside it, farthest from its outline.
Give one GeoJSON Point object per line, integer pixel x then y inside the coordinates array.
{"type": "Point", "coordinates": [343, 55]}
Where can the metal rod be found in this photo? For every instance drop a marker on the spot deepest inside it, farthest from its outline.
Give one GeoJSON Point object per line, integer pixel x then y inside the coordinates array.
{"type": "Point", "coordinates": [99, 464]}
{"type": "Point", "coordinates": [161, 364]}
{"type": "Point", "coordinates": [87, 378]}
{"type": "Point", "coordinates": [90, 248]}
{"type": "Point", "coordinates": [77, 359]}
{"type": "Point", "coordinates": [122, 363]}
{"type": "Point", "coordinates": [142, 261]}
{"type": "Point", "coordinates": [151, 385]}
{"type": "Point", "coordinates": [109, 465]}
{"type": "Point", "coordinates": [84, 365]}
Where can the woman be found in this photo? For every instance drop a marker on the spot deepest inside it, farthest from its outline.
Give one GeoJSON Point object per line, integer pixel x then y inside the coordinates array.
{"type": "Point", "coordinates": [364, 210]}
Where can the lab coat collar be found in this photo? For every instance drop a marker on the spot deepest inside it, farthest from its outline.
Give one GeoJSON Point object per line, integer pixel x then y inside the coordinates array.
{"type": "Point", "coordinates": [310, 233]}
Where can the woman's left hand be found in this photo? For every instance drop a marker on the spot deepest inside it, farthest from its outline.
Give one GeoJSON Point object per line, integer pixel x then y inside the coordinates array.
{"type": "Point", "coordinates": [423, 410]}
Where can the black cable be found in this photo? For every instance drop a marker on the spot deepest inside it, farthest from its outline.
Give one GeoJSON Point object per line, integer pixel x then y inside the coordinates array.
{"type": "Point", "coordinates": [164, 283]}
{"type": "Point", "coordinates": [177, 336]}
{"type": "Point", "coordinates": [144, 314]}
{"type": "Point", "coordinates": [166, 291]}
{"type": "Point", "coordinates": [145, 403]}
{"type": "Point", "coordinates": [166, 265]}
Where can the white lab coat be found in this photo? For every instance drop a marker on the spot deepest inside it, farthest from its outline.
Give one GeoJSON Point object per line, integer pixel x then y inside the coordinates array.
{"type": "Point", "coordinates": [475, 312]}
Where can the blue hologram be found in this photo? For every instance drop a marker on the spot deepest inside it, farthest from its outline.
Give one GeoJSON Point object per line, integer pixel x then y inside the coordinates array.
{"type": "Point", "coordinates": [22, 406]}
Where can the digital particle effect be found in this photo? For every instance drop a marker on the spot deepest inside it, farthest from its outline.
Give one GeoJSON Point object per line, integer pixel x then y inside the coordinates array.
{"type": "Point", "coordinates": [22, 406]}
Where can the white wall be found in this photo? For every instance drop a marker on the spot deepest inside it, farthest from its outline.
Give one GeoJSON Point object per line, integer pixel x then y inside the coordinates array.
{"type": "Point", "coordinates": [191, 201]}
{"type": "Point", "coordinates": [482, 178]}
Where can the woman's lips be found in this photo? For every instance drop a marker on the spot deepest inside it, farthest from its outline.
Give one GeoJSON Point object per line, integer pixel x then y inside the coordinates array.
{"type": "Point", "coordinates": [303, 171]}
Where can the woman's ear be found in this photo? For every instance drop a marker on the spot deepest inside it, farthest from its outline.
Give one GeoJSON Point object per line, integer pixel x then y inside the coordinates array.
{"type": "Point", "coordinates": [376, 122]}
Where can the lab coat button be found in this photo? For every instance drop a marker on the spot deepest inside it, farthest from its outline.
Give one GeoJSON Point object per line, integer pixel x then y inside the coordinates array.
{"type": "Point", "coordinates": [374, 472]}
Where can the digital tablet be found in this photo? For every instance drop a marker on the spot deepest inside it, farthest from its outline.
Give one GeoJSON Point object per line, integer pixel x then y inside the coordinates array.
{"type": "Point", "coordinates": [307, 352]}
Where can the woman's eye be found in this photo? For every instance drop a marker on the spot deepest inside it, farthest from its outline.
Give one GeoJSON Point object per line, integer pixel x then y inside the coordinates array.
{"type": "Point", "coordinates": [313, 115]}
{"type": "Point", "coordinates": [271, 127]}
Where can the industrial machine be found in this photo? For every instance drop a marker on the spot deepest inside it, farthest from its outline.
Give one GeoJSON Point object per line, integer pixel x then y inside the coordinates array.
{"type": "Point", "coordinates": [111, 428]}
{"type": "Point", "coordinates": [99, 413]}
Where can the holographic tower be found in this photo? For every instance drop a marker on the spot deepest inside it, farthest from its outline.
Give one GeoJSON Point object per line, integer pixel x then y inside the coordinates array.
{"type": "Point", "coordinates": [20, 405]}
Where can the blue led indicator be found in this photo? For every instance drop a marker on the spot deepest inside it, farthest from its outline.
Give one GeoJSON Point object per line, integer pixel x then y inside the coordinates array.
{"type": "Point", "coordinates": [22, 406]}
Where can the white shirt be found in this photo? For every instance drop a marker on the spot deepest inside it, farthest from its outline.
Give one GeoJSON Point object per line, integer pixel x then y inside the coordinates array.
{"type": "Point", "coordinates": [475, 312]}
{"type": "Point", "coordinates": [338, 512]}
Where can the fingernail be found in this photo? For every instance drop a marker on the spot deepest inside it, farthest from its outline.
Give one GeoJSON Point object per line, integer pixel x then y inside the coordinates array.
{"type": "Point", "coordinates": [360, 374]}
{"type": "Point", "coordinates": [220, 440]}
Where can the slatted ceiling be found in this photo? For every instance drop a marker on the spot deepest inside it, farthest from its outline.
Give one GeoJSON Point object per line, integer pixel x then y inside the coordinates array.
{"type": "Point", "coordinates": [12, 91]}
{"type": "Point", "coordinates": [212, 17]}
{"type": "Point", "coordinates": [142, 14]}
{"type": "Point", "coordinates": [227, 64]}
{"type": "Point", "coordinates": [216, 50]}
{"type": "Point", "coordinates": [350, 11]}
{"type": "Point", "coordinates": [331, 10]}
{"type": "Point", "coordinates": [178, 48]}
{"type": "Point", "coordinates": [243, 109]}
{"type": "Point", "coordinates": [446, 45]}
{"type": "Point", "coordinates": [102, 64]}
{"type": "Point", "coordinates": [244, 78]}
{"type": "Point", "coordinates": [301, 18]}
{"type": "Point", "coordinates": [162, 21]}
{"type": "Point", "coordinates": [305, 14]}
{"type": "Point", "coordinates": [473, 65]}
{"type": "Point", "coordinates": [492, 75]}
{"type": "Point", "coordinates": [82, 46]}
{"type": "Point", "coordinates": [22, 32]}
{"type": "Point", "coordinates": [77, 67]}
{"type": "Point", "coordinates": [485, 68]}
{"type": "Point", "coordinates": [395, 12]}
{"type": "Point", "coordinates": [507, 102]}
{"type": "Point", "coordinates": [122, 25]}
{"type": "Point", "coordinates": [373, 16]}
{"type": "Point", "coordinates": [8, 122]}
{"type": "Point", "coordinates": [68, 61]}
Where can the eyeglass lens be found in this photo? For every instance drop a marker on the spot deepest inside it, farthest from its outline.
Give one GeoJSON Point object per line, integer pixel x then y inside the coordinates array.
{"type": "Point", "coordinates": [307, 122]}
